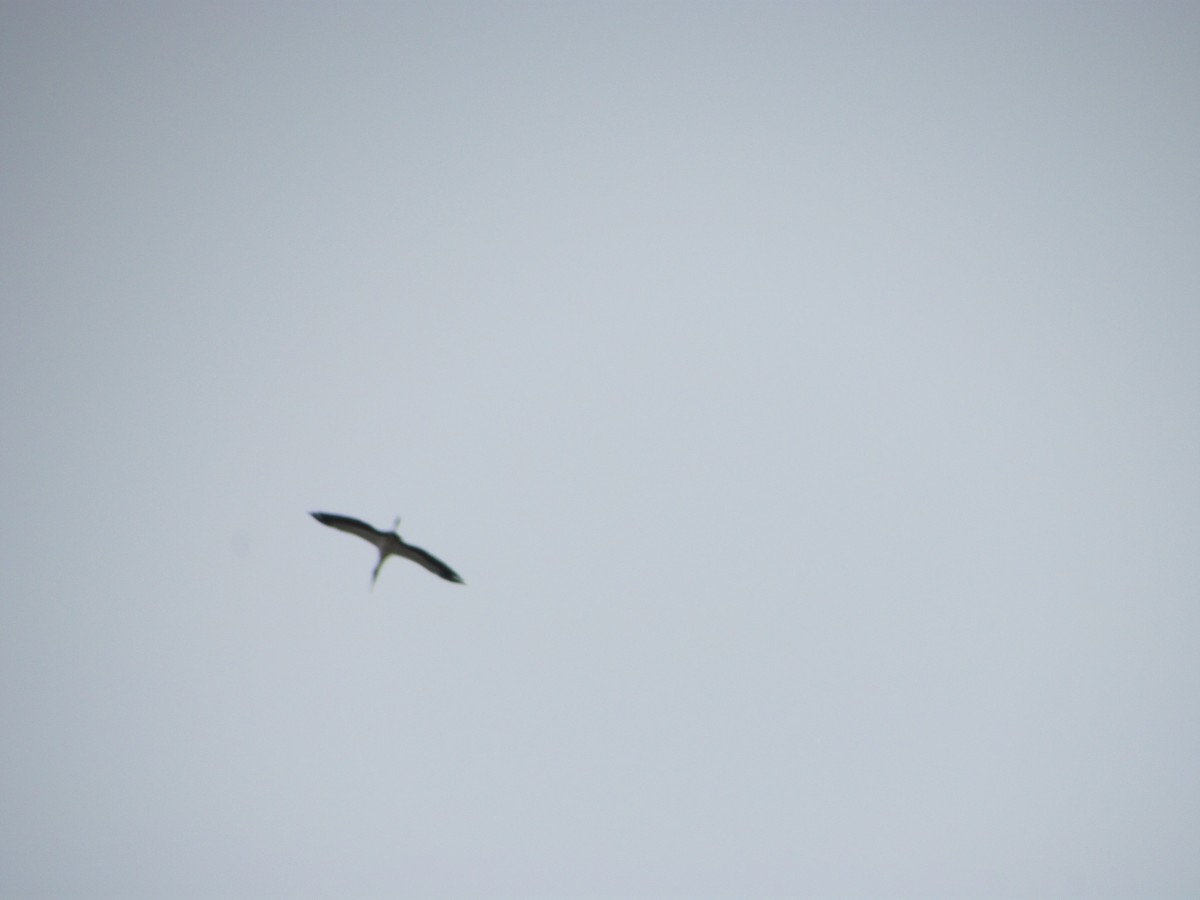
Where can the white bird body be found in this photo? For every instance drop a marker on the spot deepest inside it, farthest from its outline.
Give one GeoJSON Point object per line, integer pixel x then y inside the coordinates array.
{"type": "Point", "coordinates": [389, 543]}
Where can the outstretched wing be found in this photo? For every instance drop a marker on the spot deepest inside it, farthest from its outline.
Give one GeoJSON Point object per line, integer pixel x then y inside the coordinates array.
{"type": "Point", "coordinates": [428, 560]}
{"type": "Point", "coordinates": [351, 526]}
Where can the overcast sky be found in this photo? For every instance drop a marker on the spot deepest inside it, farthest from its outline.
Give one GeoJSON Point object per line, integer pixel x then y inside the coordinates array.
{"type": "Point", "coordinates": [809, 395]}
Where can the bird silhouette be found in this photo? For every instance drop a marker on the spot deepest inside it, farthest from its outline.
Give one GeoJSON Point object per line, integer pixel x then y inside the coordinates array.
{"type": "Point", "coordinates": [389, 544]}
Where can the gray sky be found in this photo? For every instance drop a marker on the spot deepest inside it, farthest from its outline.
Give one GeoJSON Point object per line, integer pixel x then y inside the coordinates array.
{"type": "Point", "coordinates": [808, 394]}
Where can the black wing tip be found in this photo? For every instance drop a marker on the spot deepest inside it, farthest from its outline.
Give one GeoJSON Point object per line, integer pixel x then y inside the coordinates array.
{"type": "Point", "coordinates": [329, 518]}
{"type": "Point", "coordinates": [441, 570]}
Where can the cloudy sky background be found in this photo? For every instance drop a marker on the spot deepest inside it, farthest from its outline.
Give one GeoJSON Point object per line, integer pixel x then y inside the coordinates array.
{"type": "Point", "coordinates": [809, 395]}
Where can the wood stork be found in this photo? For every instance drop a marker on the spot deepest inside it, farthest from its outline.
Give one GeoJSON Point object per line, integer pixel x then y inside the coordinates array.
{"type": "Point", "coordinates": [389, 544]}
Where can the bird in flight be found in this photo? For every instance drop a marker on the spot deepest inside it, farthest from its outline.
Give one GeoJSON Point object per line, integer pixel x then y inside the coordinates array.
{"type": "Point", "coordinates": [389, 544]}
